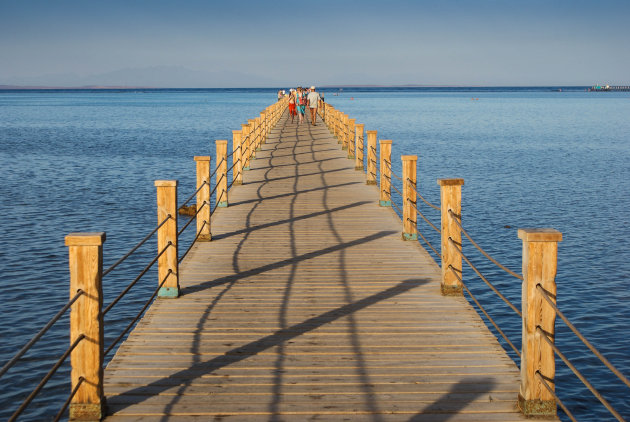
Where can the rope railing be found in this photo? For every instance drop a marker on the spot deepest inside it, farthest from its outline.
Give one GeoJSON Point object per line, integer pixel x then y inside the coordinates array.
{"type": "Point", "coordinates": [135, 280]}
{"type": "Point", "coordinates": [396, 189]}
{"type": "Point", "coordinates": [69, 399]}
{"type": "Point", "coordinates": [204, 183]}
{"type": "Point", "coordinates": [39, 335]}
{"type": "Point", "coordinates": [400, 213]}
{"type": "Point", "coordinates": [459, 278]}
{"type": "Point", "coordinates": [409, 181]}
{"type": "Point", "coordinates": [579, 335]}
{"type": "Point", "coordinates": [543, 381]}
{"type": "Point", "coordinates": [437, 254]}
{"type": "Point", "coordinates": [46, 378]}
{"type": "Point", "coordinates": [193, 242]}
{"type": "Point", "coordinates": [423, 216]}
{"type": "Point", "coordinates": [494, 289]}
{"type": "Point", "coordinates": [494, 261]}
{"type": "Point", "coordinates": [233, 165]}
{"type": "Point", "coordinates": [581, 377]}
{"type": "Point", "coordinates": [132, 250]}
{"type": "Point", "coordinates": [192, 218]}
{"type": "Point", "coordinates": [144, 308]}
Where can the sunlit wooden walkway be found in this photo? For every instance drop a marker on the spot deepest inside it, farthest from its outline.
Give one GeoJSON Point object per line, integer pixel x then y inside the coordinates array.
{"type": "Point", "coordinates": [308, 305]}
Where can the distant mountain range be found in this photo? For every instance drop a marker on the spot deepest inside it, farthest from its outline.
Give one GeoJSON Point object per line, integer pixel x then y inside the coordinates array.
{"type": "Point", "coordinates": [156, 77]}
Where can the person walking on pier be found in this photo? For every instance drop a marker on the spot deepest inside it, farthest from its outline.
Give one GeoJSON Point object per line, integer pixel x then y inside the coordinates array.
{"type": "Point", "coordinates": [301, 103]}
{"type": "Point", "coordinates": [292, 111]}
{"type": "Point", "coordinates": [313, 100]}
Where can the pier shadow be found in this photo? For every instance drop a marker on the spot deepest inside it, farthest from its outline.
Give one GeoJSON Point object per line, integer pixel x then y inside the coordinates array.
{"type": "Point", "coordinates": [354, 301]}
{"type": "Point", "coordinates": [264, 343]}
{"type": "Point", "coordinates": [458, 398]}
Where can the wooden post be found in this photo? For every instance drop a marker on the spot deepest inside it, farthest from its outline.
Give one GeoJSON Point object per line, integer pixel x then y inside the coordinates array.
{"type": "Point", "coordinates": [203, 198]}
{"type": "Point", "coordinates": [351, 138]}
{"type": "Point", "coordinates": [410, 229]}
{"type": "Point", "coordinates": [386, 174]}
{"type": "Point", "coordinates": [221, 176]}
{"type": "Point", "coordinates": [265, 126]}
{"type": "Point", "coordinates": [167, 205]}
{"type": "Point", "coordinates": [451, 200]}
{"type": "Point", "coordinates": [259, 133]}
{"type": "Point", "coordinates": [85, 253]}
{"type": "Point", "coordinates": [247, 148]}
{"type": "Point", "coordinates": [358, 162]}
{"type": "Point", "coordinates": [345, 124]}
{"type": "Point", "coordinates": [253, 143]}
{"type": "Point", "coordinates": [237, 157]}
{"type": "Point", "coordinates": [540, 260]}
{"type": "Point", "coordinates": [371, 157]}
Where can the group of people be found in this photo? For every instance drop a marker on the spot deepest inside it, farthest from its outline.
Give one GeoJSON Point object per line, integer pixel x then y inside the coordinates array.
{"type": "Point", "coordinates": [299, 99]}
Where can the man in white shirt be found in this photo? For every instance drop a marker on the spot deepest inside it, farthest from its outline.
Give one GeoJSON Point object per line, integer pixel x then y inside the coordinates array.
{"type": "Point", "coordinates": [313, 100]}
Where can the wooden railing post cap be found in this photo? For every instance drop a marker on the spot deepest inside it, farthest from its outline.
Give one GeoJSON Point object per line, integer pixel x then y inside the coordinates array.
{"type": "Point", "coordinates": [370, 131]}
{"type": "Point", "coordinates": [360, 126]}
{"type": "Point", "coordinates": [85, 239]}
{"type": "Point", "coordinates": [165, 183]}
{"type": "Point", "coordinates": [540, 235]}
{"type": "Point", "coordinates": [237, 132]}
{"type": "Point", "coordinates": [385, 141]}
{"type": "Point", "coordinates": [450, 182]}
{"type": "Point", "coordinates": [409, 157]}
{"type": "Point", "coordinates": [352, 120]}
{"type": "Point", "coordinates": [202, 158]}
{"type": "Point", "coordinates": [221, 141]}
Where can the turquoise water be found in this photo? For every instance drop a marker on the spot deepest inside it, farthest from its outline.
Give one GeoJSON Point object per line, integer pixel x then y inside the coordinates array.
{"type": "Point", "coordinates": [86, 161]}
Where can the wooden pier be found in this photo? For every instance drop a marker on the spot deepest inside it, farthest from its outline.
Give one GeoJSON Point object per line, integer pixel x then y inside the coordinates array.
{"type": "Point", "coordinates": [308, 304]}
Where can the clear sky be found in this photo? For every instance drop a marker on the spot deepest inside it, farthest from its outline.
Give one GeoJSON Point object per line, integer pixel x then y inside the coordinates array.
{"type": "Point", "coordinates": [195, 43]}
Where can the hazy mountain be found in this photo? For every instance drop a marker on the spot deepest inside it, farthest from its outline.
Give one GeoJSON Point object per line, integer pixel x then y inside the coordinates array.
{"type": "Point", "coordinates": [156, 76]}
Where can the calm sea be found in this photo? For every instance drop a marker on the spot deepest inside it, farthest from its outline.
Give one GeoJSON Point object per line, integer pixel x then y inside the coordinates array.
{"type": "Point", "coordinates": [536, 157]}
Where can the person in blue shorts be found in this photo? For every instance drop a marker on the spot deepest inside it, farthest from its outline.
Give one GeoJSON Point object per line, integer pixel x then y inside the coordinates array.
{"type": "Point", "coordinates": [301, 103]}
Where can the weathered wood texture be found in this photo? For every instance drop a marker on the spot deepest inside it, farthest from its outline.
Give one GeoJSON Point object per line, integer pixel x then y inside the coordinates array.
{"type": "Point", "coordinates": [308, 305]}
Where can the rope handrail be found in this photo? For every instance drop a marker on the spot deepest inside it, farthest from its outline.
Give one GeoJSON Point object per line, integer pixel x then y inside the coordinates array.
{"type": "Point", "coordinates": [422, 197]}
{"type": "Point", "coordinates": [423, 216]}
{"type": "Point", "coordinates": [216, 167]}
{"type": "Point", "coordinates": [216, 185]}
{"type": "Point", "coordinates": [396, 206]}
{"type": "Point", "coordinates": [437, 254]}
{"type": "Point", "coordinates": [495, 262]}
{"type": "Point", "coordinates": [581, 377]}
{"type": "Point", "coordinates": [396, 189]}
{"type": "Point", "coordinates": [146, 305]}
{"type": "Point", "coordinates": [579, 335]}
{"type": "Point", "coordinates": [46, 378]}
{"type": "Point", "coordinates": [555, 396]}
{"type": "Point", "coordinates": [193, 242]}
{"type": "Point", "coordinates": [233, 180]}
{"type": "Point", "coordinates": [133, 283]}
{"type": "Point", "coordinates": [69, 399]}
{"type": "Point", "coordinates": [132, 250]}
{"type": "Point", "coordinates": [205, 182]}
{"type": "Point", "coordinates": [191, 219]}
{"type": "Point", "coordinates": [450, 267]}
{"type": "Point", "coordinates": [494, 289]}
{"type": "Point", "coordinates": [41, 332]}
{"type": "Point", "coordinates": [233, 164]}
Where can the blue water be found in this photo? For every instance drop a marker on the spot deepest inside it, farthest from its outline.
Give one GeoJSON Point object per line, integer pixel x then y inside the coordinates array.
{"type": "Point", "coordinates": [86, 161]}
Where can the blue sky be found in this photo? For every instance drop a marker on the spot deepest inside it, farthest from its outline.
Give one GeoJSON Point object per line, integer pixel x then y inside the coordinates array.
{"type": "Point", "coordinates": [283, 43]}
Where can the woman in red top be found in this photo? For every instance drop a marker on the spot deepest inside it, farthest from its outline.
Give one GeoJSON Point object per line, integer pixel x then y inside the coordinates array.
{"type": "Point", "coordinates": [292, 111]}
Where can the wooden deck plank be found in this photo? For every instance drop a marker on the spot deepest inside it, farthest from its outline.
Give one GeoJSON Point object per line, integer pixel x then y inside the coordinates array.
{"type": "Point", "coordinates": [308, 305]}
